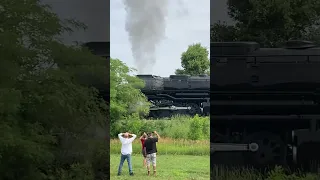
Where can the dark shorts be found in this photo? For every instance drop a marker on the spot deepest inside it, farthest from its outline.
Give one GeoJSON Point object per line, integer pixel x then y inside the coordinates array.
{"type": "Point", "coordinates": [143, 153]}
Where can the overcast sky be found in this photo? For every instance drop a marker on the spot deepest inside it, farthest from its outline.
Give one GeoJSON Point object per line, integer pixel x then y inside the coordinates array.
{"type": "Point", "coordinates": [186, 24]}
{"type": "Point", "coordinates": [93, 13]}
{"type": "Point", "coordinates": [96, 15]}
{"type": "Point", "coordinates": [219, 11]}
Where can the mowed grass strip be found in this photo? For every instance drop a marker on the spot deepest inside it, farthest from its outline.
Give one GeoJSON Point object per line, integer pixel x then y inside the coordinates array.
{"type": "Point", "coordinates": [171, 167]}
{"type": "Point", "coordinates": [167, 146]}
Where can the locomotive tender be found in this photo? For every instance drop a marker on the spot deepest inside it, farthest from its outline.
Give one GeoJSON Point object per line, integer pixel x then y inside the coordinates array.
{"type": "Point", "coordinates": [177, 94]}
{"type": "Point", "coordinates": [265, 104]}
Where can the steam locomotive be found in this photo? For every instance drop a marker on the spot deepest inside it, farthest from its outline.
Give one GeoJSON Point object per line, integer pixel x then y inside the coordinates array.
{"type": "Point", "coordinates": [177, 94]}
{"type": "Point", "coordinates": [101, 49]}
{"type": "Point", "coordinates": [265, 104]}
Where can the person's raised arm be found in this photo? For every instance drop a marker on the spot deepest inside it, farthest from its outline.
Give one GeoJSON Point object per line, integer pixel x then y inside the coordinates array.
{"type": "Point", "coordinates": [133, 136]}
{"type": "Point", "coordinates": [142, 135]}
{"type": "Point", "coordinates": [158, 136]}
{"type": "Point", "coordinates": [131, 139]}
{"type": "Point", "coordinates": [120, 137]}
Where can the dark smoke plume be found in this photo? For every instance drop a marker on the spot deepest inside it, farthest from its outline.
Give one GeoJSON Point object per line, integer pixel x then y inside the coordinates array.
{"type": "Point", "coordinates": [146, 26]}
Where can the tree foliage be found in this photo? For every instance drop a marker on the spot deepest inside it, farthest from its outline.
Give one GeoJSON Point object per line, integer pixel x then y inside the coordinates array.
{"type": "Point", "coordinates": [221, 31]}
{"type": "Point", "coordinates": [270, 23]}
{"type": "Point", "coordinates": [50, 114]}
{"type": "Point", "coordinates": [126, 98]}
{"type": "Point", "coordinates": [194, 61]}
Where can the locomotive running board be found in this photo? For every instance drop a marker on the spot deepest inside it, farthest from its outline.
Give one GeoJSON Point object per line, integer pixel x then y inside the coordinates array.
{"type": "Point", "coordinates": [225, 147]}
{"type": "Point", "coordinates": [265, 117]}
{"type": "Point", "coordinates": [172, 108]}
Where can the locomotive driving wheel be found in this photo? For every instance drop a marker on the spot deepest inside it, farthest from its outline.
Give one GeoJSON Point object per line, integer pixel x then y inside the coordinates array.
{"type": "Point", "coordinates": [164, 114]}
{"type": "Point", "coordinates": [272, 150]}
{"type": "Point", "coordinates": [160, 114]}
{"type": "Point", "coordinates": [180, 111]}
{"type": "Point", "coordinates": [195, 109]}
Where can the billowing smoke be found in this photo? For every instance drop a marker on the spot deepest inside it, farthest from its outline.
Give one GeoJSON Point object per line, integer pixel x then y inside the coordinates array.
{"type": "Point", "coordinates": [146, 25]}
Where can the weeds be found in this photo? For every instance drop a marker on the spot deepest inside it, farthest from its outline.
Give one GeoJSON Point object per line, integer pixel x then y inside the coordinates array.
{"type": "Point", "coordinates": [169, 146]}
{"type": "Point", "coordinates": [242, 173]}
{"type": "Point", "coordinates": [178, 127]}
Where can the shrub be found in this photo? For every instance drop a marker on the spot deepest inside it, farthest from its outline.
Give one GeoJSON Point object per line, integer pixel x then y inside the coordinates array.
{"type": "Point", "coordinates": [199, 128]}
{"type": "Point", "coordinates": [76, 172]}
{"type": "Point", "coordinates": [178, 127]}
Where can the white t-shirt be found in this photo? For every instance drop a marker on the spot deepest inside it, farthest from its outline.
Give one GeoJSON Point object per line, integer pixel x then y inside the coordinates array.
{"type": "Point", "coordinates": [126, 147]}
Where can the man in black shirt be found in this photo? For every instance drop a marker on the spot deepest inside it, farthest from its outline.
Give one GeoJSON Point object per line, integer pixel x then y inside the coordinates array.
{"type": "Point", "coordinates": [150, 147]}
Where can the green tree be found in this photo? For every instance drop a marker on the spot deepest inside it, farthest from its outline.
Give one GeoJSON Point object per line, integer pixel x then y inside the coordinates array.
{"type": "Point", "coordinates": [194, 61]}
{"type": "Point", "coordinates": [50, 115]}
{"type": "Point", "coordinates": [220, 32]}
{"type": "Point", "coordinates": [126, 98]}
{"type": "Point", "coordinates": [270, 23]}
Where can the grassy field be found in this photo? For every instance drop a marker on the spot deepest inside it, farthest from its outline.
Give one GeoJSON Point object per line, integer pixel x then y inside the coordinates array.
{"type": "Point", "coordinates": [169, 167]}
{"type": "Point", "coordinates": [167, 146]}
{"type": "Point", "coordinates": [176, 159]}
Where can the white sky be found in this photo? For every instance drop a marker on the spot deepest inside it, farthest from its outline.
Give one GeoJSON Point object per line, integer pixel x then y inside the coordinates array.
{"type": "Point", "coordinates": [219, 12]}
{"type": "Point", "coordinates": [95, 14]}
{"type": "Point", "coordinates": [187, 23]}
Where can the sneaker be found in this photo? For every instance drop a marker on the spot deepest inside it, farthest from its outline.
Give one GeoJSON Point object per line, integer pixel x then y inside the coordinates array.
{"type": "Point", "coordinates": [119, 174]}
{"type": "Point", "coordinates": [131, 174]}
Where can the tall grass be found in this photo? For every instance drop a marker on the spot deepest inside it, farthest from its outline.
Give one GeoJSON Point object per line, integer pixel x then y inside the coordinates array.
{"type": "Point", "coordinates": [241, 173]}
{"type": "Point", "coordinates": [178, 127]}
{"type": "Point", "coordinates": [169, 146]}
{"type": "Point", "coordinates": [278, 173]}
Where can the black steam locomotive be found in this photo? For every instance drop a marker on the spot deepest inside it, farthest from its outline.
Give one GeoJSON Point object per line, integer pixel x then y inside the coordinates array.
{"type": "Point", "coordinates": [177, 94]}
{"type": "Point", "coordinates": [101, 49]}
{"type": "Point", "coordinates": [265, 103]}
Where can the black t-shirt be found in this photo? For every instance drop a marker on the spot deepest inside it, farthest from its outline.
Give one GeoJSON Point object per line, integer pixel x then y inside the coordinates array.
{"type": "Point", "coordinates": [151, 145]}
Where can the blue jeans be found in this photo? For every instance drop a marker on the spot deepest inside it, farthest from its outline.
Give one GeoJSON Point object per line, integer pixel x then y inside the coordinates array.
{"type": "Point", "coordinates": [122, 159]}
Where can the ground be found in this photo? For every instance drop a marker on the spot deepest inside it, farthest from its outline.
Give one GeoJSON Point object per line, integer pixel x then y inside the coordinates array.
{"type": "Point", "coordinates": [169, 167]}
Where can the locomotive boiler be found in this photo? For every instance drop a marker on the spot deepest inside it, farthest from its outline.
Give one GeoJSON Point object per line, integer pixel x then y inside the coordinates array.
{"type": "Point", "coordinates": [177, 94]}
{"type": "Point", "coordinates": [101, 49]}
{"type": "Point", "coordinates": [265, 104]}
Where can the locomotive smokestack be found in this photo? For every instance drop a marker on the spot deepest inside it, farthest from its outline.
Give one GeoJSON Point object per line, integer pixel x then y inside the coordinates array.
{"type": "Point", "coordinates": [145, 24]}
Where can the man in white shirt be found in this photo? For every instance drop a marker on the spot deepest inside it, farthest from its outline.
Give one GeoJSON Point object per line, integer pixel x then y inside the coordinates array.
{"type": "Point", "coordinates": [126, 150]}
